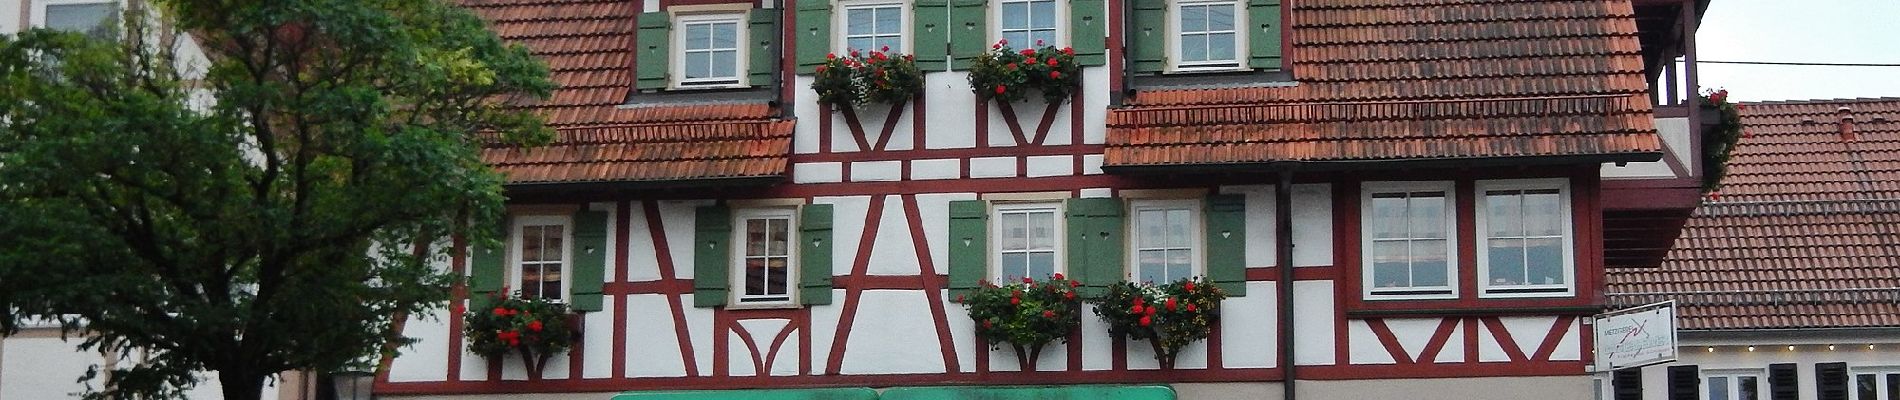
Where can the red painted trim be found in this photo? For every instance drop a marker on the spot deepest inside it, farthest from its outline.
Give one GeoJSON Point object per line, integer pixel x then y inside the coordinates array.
{"type": "Point", "coordinates": [458, 261]}
{"type": "Point", "coordinates": [722, 342]}
{"type": "Point", "coordinates": [1074, 343]}
{"type": "Point", "coordinates": [824, 129]}
{"type": "Point", "coordinates": [1390, 341]}
{"type": "Point", "coordinates": [663, 286]}
{"type": "Point", "coordinates": [577, 354]}
{"type": "Point", "coordinates": [982, 357]}
{"type": "Point", "coordinates": [1048, 121]}
{"type": "Point", "coordinates": [1009, 119]}
{"type": "Point", "coordinates": [657, 233]}
{"type": "Point", "coordinates": [1345, 252]}
{"type": "Point", "coordinates": [494, 369]}
{"type": "Point", "coordinates": [1439, 338]}
{"type": "Point", "coordinates": [1053, 183]}
{"type": "Point", "coordinates": [752, 346]}
{"type": "Point", "coordinates": [1504, 339]}
{"type": "Point", "coordinates": [907, 155]}
{"type": "Point", "coordinates": [889, 282]}
{"type": "Point", "coordinates": [788, 48]}
{"type": "Point", "coordinates": [932, 283]}
{"type": "Point", "coordinates": [1075, 130]}
{"type": "Point", "coordinates": [804, 343]}
{"type": "Point", "coordinates": [1471, 340]}
{"type": "Point", "coordinates": [623, 238]}
{"type": "Point", "coordinates": [1118, 355]}
{"type": "Point", "coordinates": [890, 127]}
{"type": "Point", "coordinates": [1315, 273]}
{"type": "Point", "coordinates": [778, 342]}
{"type": "Point", "coordinates": [1114, 43]}
{"type": "Point", "coordinates": [860, 266]}
{"type": "Point", "coordinates": [917, 121]}
{"type": "Point", "coordinates": [1286, 38]}
{"type": "Point", "coordinates": [1214, 359]}
{"type": "Point", "coordinates": [1557, 331]}
{"type": "Point", "coordinates": [982, 110]}
{"type": "Point", "coordinates": [857, 128]}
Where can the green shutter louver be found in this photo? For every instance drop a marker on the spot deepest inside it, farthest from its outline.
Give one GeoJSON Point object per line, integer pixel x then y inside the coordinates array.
{"type": "Point", "coordinates": [1147, 36]}
{"type": "Point", "coordinates": [814, 254]}
{"type": "Point", "coordinates": [969, 245]}
{"type": "Point", "coordinates": [1263, 44]}
{"type": "Point", "coordinates": [487, 265]}
{"type": "Point", "coordinates": [764, 52]}
{"type": "Point", "coordinates": [1226, 221]}
{"type": "Point", "coordinates": [813, 34]}
{"type": "Point", "coordinates": [969, 35]}
{"type": "Point", "coordinates": [590, 260]}
{"type": "Point", "coordinates": [712, 255]}
{"type": "Point", "coordinates": [929, 37]}
{"type": "Point", "coordinates": [652, 50]}
{"type": "Point", "coordinates": [1089, 24]}
{"type": "Point", "coordinates": [1097, 240]}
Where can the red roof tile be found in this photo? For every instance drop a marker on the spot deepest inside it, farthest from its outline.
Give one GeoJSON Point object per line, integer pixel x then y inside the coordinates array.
{"type": "Point", "coordinates": [1803, 233]}
{"type": "Point", "coordinates": [586, 45]}
{"type": "Point", "coordinates": [1388, 80]}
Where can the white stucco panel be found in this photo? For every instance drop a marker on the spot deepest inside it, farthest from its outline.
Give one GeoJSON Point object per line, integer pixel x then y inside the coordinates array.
{"type": "Point", "coordinates": [1096, 193]}
{"type": "Point", "coordinates": [1092, 163]}
{"type": "Point", "coordinates": [892, 336]}
{"type": "Point", "coordinates": [944, 168]}
{"type": "Point", "coordinates": [933, 210]}
{"type": "Point", "coordinates": [847, 221]}
{"type": "Point", "coordinates": [1041, 166]}
{"type": "Point", "coordinates": [1055, 357]}
{"type": "Point", "coordinates": [963, 333]}
{"type": "Point", "coordinates": [598, 339]}
{"type": "Point", "coordinates": [877, 171]}
{"type": "Point", "coordinates": [1454, 350]}
{"type": "Point", "coordinates": [805, 133]}
{"type": "Point", "coordinates": [824, 327]}
{"type": "Point", "coordinates": [699, 329]}
{"type": "Point", "coordinates": [785, 363]}
{"type": "Point", "coordinates": [1488, 348]}
{"type": "Point", "coordinates": [43, 367]}
{"type": "Point", "coordinates": [1312, 224]}
{"type": "Point", "coordinates": [1248, 336]}
{"type": "Point", "coordinates": [677, 218]}
{"type": "Point", "coordinates": [1363, 346]}
{"type": "Point", "coordinates": [426, 360]}
{"type": "Point", "coordinates": [739, 356]}
{"type": "Point", "coordinates": [892, 252]}
{"type": "Point", "coordinates": [951, 112]}
{"type": "Point", "coordinates": [1571, 346]}
{"type": "Point", "coordinates": [993, 167]}
{"type": "Point", "coordinates": [818, 172]}
{"type": "Point", "coordinates": [1413, 333]}
{"type": "Point", "coordinates": [1313, 322]}
{"type": "Point", "coordinates": [643, 265]}
{"type": "Point", "coordinates": [1528, 332]}
{"type": "Point", "coordinates": [1095, 105]}
{"type": "Point", "coordinates": [1097, 344]}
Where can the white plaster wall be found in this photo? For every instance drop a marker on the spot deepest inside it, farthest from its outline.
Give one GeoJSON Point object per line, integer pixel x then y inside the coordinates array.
{"type": "Point", "coordinates": [819, 172]}
{"type": "Point", "coordinates": [677, 218]}
{"type": "Point", "coordinates": [1675, 136]}
{"type": "Point", "coordinates": [1249, 328]}
{"type": "Point", "coordinates": [934, 211]}
{"type": "Point", "coordinates": [892, 252]}
{"type": "Point", "coordinates": [946, 168]}
{"type": "Point", "coordinates": [1454, 350]}
{"type": "Point", "coordinates": [1260, 230]}
{"type": "Point", "coordinates": [890, 335]}
{"type": "Point", "coordinates": [847, 224]}
{"type": "Point", "coordinates": [1363, 346]}
{"type": "Point", "coordinates": [10, 16]}
{"type": "Point", "coordinates": [1312, 224]}
{"type": "Point", "coordinates": [1414, 334]}
{"type": "Point", "coordinates": [657, 353]}
{"type": "Point", "coordinates": [1569, 387]}
{"type": "Point", "coordinates": [642, 264]}
{"type": "Point", "coordinates": [1733, 355]}
{"type": "Point", "coordinates": [598, 340]}
{"type": "Point", "coordinates": [877, 171]}
{"type": "Point", "coordinates": [805, 135]}
{"type": "Point", "coordinates": [824, 327]}
{"type": "Point", "coordinates": [1313, 322]}
{"type": "Point", "coordinates": [426, 359]}
{"type": "Point", "coordinates": [951, 113]}
{"type": "Point", "coordinates": [43, 367]}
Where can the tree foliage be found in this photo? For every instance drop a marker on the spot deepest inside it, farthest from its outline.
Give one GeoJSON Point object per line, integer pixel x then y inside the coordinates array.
{"type": "Point", "coordinates": [274, 208]}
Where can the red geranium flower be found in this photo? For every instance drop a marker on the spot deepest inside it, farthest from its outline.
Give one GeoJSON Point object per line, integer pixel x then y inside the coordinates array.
{"type": "Point", "coordinates": [1074, 284]}
{"type": "Point", "coordinates": [1170, 304]}
{"type": "Point", "coordinates": [999, 89]}
{"type": "Point", "coordinates": [1068, 51]}
{"type": "Point", "coordinates": [1191, 307]}
{"type": "Point", "coordinates": [1027, 280]}
{"type": "Point", "coordinates": [1190, 286]}
{"type": "Point", "coordinates": [1058, 276]}
{"type": "Point", "coordinates": [1030, 61]}
{"type": "Point", "coordinates": [1048, 314]}
{"type": "Point", "coordinates": [1028, 52]}
{"type": "Point", "coordinates": [1069, 295]}
{"type": "Point", "coordinates": [1052, 62]}
{"type": "Point", "coordinates": [1135, 310]}
{"type": "Point", "coordinates": [501, 312]}
{"type": "Point", "coordinates": [1054, 74]}
{"type": "Point", "coordinates": [534, 326]}
{"type": "Point", "coordinates": [829, 56]}
{"type": "Point", "coordinates": [1145, 321]}
{"type": "Point", "coordinates": [1015, 301]}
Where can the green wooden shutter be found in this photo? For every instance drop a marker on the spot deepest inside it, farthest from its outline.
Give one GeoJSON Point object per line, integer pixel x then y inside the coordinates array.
{"type": "Point", "coordinates": [969, 36]}
{"type": "Point", "coordinates": [653, 65]}
{"type": "Point", "coordinates": [969, 245]}
{"type": "Point", "coordinates": [1263, 44]}
{"type": "Point", "coordinates": [712, 255]}
{"type": "Point", "coordinates": [1226, 221]}
{"type": "Point", "coordinates": [814, 254]}
{"type": "Point", "coordinates": [590, 259]}
{"type": "Point", "coordinates": [764, 51]}
{"type": "Point", "coordinates": [814, 34]}
{"type": "Point", "coordinates": [1147, 36]}
{"type": "Point", "coordinates": [929, 39]}
{"type": "Point", "coordinates": [1089, 24]}
{"type": "Point", "coordinates": [1096, 243]}
{"type": "Point", "coordinates": [487, 266]}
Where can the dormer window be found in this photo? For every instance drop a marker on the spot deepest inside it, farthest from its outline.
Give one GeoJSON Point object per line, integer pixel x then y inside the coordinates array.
{"type": "Point", "coordinates": [1206, 36]}
{"type": "Point", "coordinates": [1024, 23]}
{"type": "Point", "coordinates": [709, 50]}
{"type": "Point", "coordinates": [874, 26]}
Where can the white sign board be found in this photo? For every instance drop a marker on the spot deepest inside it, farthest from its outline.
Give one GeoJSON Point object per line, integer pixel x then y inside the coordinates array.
{"type": "Point", "coordinates": [1636, 337]}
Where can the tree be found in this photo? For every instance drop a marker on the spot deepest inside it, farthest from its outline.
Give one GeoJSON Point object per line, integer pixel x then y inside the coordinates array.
{"type": "Point", "coordinates": [272, 210]}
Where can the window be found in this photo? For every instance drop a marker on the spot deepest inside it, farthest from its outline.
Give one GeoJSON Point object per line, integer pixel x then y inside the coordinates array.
{"type": "Point", "coordinates": [765, 255]}
{"type": "Point", "coordinates": [1408, 240]}
{"type": "Point", "coordinates": [1029, 24]}
{"type": "Point", "coordinates": [1166, 240]}
{"type": "Point", "coordinates": [1877, 384]}
{"type": "Point", "coordinates": [1027, 242]}
{"type": "Point", "coordinates": [874, 26]}
{"type": "Point", "coordinates": [1744, 385]}
{"type": "Point", "coordinates": [711, 54]}
{"type": "Point", "coordinates": [1207, 37]}
{"type": "Point", "coordinates": [91, 17]}
{"type": "Point", "coordinates": [1526, 249]}
{"type": "Point", "coordinates": [542, 254]}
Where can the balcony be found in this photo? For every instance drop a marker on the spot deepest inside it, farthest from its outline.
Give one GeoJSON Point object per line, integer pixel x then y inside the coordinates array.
{"type": "Point", "coordinates": [1646, 203]}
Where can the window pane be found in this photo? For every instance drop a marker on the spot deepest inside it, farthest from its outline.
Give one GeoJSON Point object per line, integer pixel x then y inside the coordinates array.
{"type": "Point", "coordinates": [1220, 47]}
{"type": "Point", "coordinates": [894, 42]}
{"type": "Point", "coordinates": [1015, 231]}
{"type": "Point", "coordinates": [1153, 228]}
{"type": "Point", "coordinates": [84, 18]}
{"type": "Point", "coordinates": [1042, 15]}
{"type": "Point", "coordinates": [1193, 48]}
{"type": "Point", "coordinates": [1016, 16]}
{"type": "Point", "coordinates": [1015, 266]}
{"type": "Point", "coordinates": [755, 237]}
{"type": "Point", "coordinates": [1428, 263]}
{"type": "Point", "coordinates": [889, 20]}
{"type": "Point", "coordinates": [1502, 213]}
{"type": "Point", "coordinates": [1389, 265]}
{"type": "Point", "coordinates": [1042, 264]}
{"type": "Point", "coordinates": [776, 274]}
{"type": "Point", "coordinates": [552, 236]}
{"type": "Point", "coordinates": [1179, 264]}
{"type": "Point", "coordinates": [1893, 386]}
{"type": "Point", "coordinates": [1542, 216]}
{"type": "Point", "coordinates": [725, 35]}
{"type": "Point", "coordinates": [781, 237]}
{"type": "Point", "coordinates": [725, 64]}
{"type": "Point", "coordinates": [1017, 37]}
{"type": "Point", "coordinates": [1718, 388]}
{"type": "Point", "coordinates": [1151, 266]}
{"type": "Point", "coordinates": [551, 281]}
{"type": "Point", "coordinates": [1220, 17]}
{"type": "Point", "coordinates": [1544, 261]}
{"type": "Point", "coordinates": [698, 36]}
{"type": "Point", "coordinates": [1180, 232]}
{"type": "Point", "coordinates": [861, 43]}
{"type": "Point", "coordinates": [1388, 217]}
{"type": "Point", "coordinates": [698, 65]}
{"type": "Point", "coordinates": [1046, 36]}
{"type": "Point", "coordinates": [858, 21]}
{"type": "Point", "coordinates": [1745, 388]}
{"type": "Point", "coordinates": [531, 243]}
{"type": "Point", "coordinates": [1865, 387]}
{"type": "Point", "coordinates": [1193, 19]}
{"type": "Point", "coordinates": [755, 276]}
{"type": "Point", "coordinates": [1427, 215]}
{"type": "Point", "coordinates": [1506, 261]}
{"type": "Point", "coordinates": [1042, 231]}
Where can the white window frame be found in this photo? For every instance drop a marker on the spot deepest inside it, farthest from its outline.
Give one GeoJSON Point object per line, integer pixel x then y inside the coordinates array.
{"type": "Point", "coordinates": [38, 19]}
{"type": "Point", "coordinates": [739, 299]}
{"type": "Point", "coordinates": [1241, 34]}
{"type": "Point", "coordinates": [678, 56]}
{"type": "Point", "coordinates": [1882, 374]}
{"type": "Point", "coordinates": [516, 269]}
{"type": "Point", "coordinates": [1366, 236]}
{"type": "Point", "coordinates": [1483, 232]}
{"type": "Point", "coordinates": [995, 273]}
{"type": "Point", "coordinates": [1734, 382]}
{"type": "Point", "coordinates": [841, 36]}
{"type": "Point", "coordinates": [1062, 25]}
{"type": "Point", "coordinates": [1196, 243]}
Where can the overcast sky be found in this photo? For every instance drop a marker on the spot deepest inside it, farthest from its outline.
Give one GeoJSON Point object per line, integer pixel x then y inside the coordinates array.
{"type": "Point", "coordinates": [1833, 31]}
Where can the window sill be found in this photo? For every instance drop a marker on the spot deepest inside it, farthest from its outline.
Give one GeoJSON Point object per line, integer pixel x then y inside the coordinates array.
{"type": "Point", "coordinates": [1210, 79]}
{"type": "Point", "coordinates": [1477, 312]}
{"type": "Point", "coordinates": [1467, 304]}
{"type": "Point", "coordinates": [675, 97]}
{"type": "Point", "coordinates": [763, 306]}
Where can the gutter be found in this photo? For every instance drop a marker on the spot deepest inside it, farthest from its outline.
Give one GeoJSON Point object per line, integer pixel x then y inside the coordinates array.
{"type": "Point", "coordinates": [1383, 164]}
{"type": "Point", "coordinates": [1283, 252]}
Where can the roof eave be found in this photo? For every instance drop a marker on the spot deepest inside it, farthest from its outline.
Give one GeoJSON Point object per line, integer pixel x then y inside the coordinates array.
{"type": "Point", "coordinates": [1384, 164]}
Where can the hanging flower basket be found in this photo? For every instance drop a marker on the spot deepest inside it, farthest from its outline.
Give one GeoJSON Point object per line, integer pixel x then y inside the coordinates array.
{"type": "Point", "coordinates": [1721, 130]}
{"type": "Point", "coordinates": [858, 79]}
{"type": "Point", "coordinates": [1009, 75]}
{"type": "Point", "coordinates": [1168, 316]}
{"type": "Point", "coordinates": [534, 329]}
{"type": "Point", "coordinates": [1026, 315]}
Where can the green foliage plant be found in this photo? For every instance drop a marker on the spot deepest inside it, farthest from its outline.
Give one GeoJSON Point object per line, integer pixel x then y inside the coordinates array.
{"type": "Point", "coordinates": [1026, 315]}
{"type": "Point", "coordinates": [1009, 75]}
{"type": "Point", "coordinates": [532, 328]}
{"type": "Point", "coordinates": [861, 78]}
{"type": "Point", "coordinates": [1169, 316]}
{"type": "Point", "coordinates": [1718, 139]}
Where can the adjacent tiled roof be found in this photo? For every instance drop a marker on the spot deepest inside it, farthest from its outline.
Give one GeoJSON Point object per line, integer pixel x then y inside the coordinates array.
{"type": "Point", "coordinates": [1415, 79]}
{"type": "Point", "coordinates": [1804, 234]}
{"type": "Point", "coordinates": [587, 45]}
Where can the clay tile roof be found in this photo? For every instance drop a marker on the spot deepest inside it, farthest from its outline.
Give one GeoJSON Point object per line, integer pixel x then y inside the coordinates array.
{"type": "Point", "coordinates": [1416, 79]}
{"type": "Point", "coordinates": [586, 45]}
{"type": "Point", "coordinates": [1803, 232]}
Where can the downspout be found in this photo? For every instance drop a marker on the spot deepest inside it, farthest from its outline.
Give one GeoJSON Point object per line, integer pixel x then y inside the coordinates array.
{"type": "Point", "coordinates": [1283, 252]}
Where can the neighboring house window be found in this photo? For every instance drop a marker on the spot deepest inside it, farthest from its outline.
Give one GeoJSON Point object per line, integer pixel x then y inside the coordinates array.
{"type": "Point", "coordinates": [541, 251]}
{"type": "Point", "coordinates": [1408, 240]}
{"type": "Point", "coordinates": [1207, 35]}
{"type": "Point", "coordinates": [874, 26]}
{"type": "Point", "coordinates": [711, 53]}
{"type": "Point", "coordinates": [1526, 248]}
{"type": "Point", "coordinates": [1877, 384]}
{"type": "Point", "coordinates": [765, 255]}
{"type": "Point", "coordinates": [90, 17]}
{"type": "Point", "coordinates": [1166, 240]}
{"type": "Point", "coordinates": [1027, 242]}
{"type": "Point", "coordinates": [1732, 385]}
{"type": "Point", "coordinates": [1024, 23]}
